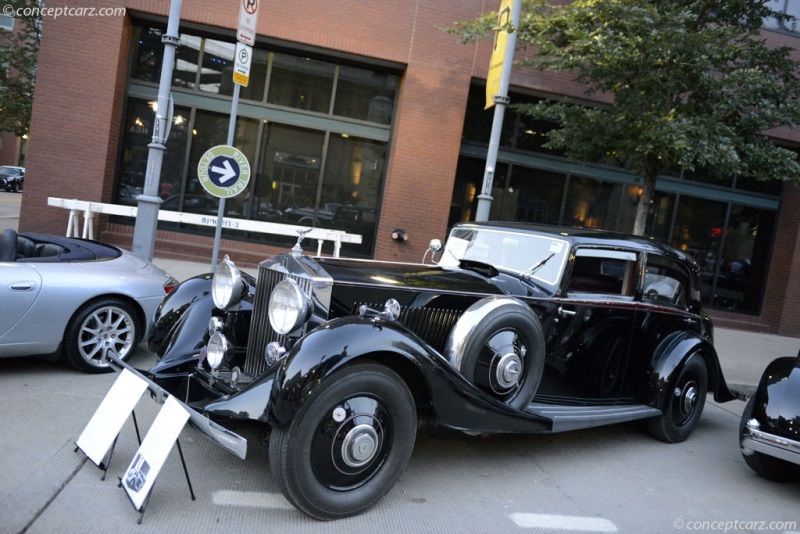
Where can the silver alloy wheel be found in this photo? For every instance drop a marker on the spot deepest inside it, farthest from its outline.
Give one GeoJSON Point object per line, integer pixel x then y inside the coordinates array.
{"type": "Point", "coordinates": [109, 329]}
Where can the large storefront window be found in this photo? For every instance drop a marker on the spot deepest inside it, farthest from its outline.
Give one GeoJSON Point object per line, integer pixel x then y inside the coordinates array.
{"type": "Point", "coordinates": [733, 258]}
{"type": "Point", "coordinates": [301, 82]}
{"type": "Point", "coordinates": [726, 223]}
{"type": "Point", "coordinates": [303, 168]}
{"type": "Point", "coordinates": [133, 158]}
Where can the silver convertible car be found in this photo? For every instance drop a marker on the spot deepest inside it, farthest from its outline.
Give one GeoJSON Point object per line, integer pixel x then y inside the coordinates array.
{"type": "Point", "coordinates": [74, 298]}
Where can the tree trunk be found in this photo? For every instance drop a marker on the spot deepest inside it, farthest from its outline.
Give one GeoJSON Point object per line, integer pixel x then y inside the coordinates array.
{"type": "Point", "coordinates": [643, 207]}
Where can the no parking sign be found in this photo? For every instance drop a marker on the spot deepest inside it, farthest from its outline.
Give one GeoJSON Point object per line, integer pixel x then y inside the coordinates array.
{"type": "Point", "coordinates": [223, 171]}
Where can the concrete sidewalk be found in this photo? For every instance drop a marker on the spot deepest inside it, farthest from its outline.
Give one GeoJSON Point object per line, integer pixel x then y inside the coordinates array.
{"type": "Point", "coordinates": [743, 354]}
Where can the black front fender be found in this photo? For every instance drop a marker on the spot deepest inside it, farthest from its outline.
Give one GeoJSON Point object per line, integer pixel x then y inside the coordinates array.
{"type": "Point", "coordinates": [453, 401]}
{"type": "Point", "coordinates": [180, 324]}
{"type": "Point", "coordinates": [776, 403]}
{"type": "Point", "coordinates": [328, 348]}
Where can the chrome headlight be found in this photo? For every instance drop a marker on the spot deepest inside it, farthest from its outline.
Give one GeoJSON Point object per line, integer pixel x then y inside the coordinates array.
{"type": "Point", "coordinates": [226, 289]}
{"type": "Point", "coordinates": [289, 307]}
{"type": "Point", "coordinates": [216, 350]}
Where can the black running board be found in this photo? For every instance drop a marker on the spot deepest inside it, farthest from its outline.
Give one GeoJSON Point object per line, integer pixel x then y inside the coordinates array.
{"type": "Point", "coordinates": [566, 418]}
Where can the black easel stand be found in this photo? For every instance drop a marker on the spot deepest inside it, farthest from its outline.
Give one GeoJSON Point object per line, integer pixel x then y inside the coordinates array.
{"type": "Point", "coordinates": [104, 465]}
{"type": "Point", "coordinates": [147, 499]}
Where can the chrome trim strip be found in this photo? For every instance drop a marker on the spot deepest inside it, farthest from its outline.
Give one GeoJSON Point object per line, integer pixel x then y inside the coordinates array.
{"type": "Point", "coordinates": [230, 441]}
{"type": "Point", "coordinates": [771, 445]}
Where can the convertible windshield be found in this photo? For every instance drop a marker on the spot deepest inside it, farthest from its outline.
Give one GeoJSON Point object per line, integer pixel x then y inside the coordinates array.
{"type": "Point", "coordinates": [538, 256]}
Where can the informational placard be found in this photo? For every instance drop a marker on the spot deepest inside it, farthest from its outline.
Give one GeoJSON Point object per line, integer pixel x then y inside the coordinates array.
{"type": "Point", "coordinates": [149, 459]}
{"type": "Point", "coordinates": [97, 438]}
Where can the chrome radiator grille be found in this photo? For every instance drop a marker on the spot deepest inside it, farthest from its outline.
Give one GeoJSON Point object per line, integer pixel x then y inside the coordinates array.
{"type": "Point", "coordinates": [261, 332]}
{"type": "Point", "coordinates": [431, 324]}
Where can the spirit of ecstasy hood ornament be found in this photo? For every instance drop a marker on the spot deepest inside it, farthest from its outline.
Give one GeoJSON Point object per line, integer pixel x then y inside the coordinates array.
{"type": "Point", "coordinates": [297, 249]}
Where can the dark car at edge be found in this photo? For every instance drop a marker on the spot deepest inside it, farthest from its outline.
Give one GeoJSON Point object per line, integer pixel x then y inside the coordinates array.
{"type": "Point", "coordinates": [769, 433]}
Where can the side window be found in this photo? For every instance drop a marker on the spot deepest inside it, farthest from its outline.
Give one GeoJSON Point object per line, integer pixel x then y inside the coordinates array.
{"type": "Point", "coordinates": [602, 272]}
{"type": "Point", "coordinates": [665, 282]}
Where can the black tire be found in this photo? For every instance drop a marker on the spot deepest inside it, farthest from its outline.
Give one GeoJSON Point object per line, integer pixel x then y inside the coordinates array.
{"type": "Point", "coordinates": [100, 327]}
{"type": "Point", "coordinates": [683, 408]}
{"type": "Point", "coordinates": [347, 445]}
{"type": "Point", "coordinates": [14, 187]}
{"type": "Point", "coordinates": [766, 466]}
{"type": "Point", "coordinates": [505, 340]}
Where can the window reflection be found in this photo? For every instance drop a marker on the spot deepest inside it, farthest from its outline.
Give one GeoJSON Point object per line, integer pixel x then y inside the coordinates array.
{"type": "Point", "coordinates": [288, 181]}
{"type": "Point", "coordinates": [597, 204]}
{"type": "Point", "coordinates": [147, 51]}
{"type": "Point", "coordinates": [134, 154]}
{"type": "Point", "coordinates": [205, 65]}
{"type": "Point", "coordinates": [365, 94]}
{"type": "Point", "coordinates": [301, 83]}
{"type": "Point", "coordinates": [187, 55]}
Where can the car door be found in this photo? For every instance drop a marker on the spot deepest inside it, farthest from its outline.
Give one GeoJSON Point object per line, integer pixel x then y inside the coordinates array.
{"type": "Point", "coordinates": [668, 305]}
{"type": "Point", "coordinates": [20, 285]}
{"type": "Point", "coordinates": [588, 339]}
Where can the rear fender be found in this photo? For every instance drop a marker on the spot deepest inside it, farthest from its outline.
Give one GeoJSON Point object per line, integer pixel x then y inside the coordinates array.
{"type": "Point", "coordinates": [670, 357]}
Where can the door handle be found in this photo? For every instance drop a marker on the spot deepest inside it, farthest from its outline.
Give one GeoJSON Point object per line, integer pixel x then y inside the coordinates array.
{"type": "Point", "coordinates": [22, 286]}
{"type": "Point", "coordinates": [562, 311]}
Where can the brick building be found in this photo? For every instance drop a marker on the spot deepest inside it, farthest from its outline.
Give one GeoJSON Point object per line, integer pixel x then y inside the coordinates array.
{"type": "Point", "coordinates": [367, 109]}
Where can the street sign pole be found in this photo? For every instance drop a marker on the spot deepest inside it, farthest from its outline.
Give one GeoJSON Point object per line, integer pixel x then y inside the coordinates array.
{"type": "Point", "coordinates": [221, 211]}
{"type": "Point", "coordinates": [144, 230]}
{"type": "Point", "coordinates": [501, 100]}
{"type": "Point", "coordinates": [246, 33]}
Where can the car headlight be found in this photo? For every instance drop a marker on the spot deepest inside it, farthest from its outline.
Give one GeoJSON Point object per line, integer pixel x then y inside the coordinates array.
{"type": "Point", "coordinates": [226, 288]}
{"type": "Point", "coordinates": [288, 307]}
{"type": "Point", "coordinates": [216, 350]}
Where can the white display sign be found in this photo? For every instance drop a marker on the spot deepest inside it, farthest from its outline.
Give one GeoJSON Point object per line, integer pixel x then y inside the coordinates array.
{"type": "Point", "coordinates": [145, 466]}
{"type": "Point", "coordinates": [104, 426]}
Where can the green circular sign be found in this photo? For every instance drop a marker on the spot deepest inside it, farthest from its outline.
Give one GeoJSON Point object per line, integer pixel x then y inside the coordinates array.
{"type": "Point", "coordinates": [223, 171]}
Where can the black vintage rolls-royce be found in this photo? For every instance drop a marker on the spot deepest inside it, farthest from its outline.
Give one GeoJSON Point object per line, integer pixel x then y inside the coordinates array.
{"type": "Point", "coordinates": [517, 328]}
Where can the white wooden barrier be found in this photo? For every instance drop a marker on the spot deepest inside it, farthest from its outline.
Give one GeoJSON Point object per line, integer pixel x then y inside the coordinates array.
{"type": "Point", "coordinates": [88, 209]}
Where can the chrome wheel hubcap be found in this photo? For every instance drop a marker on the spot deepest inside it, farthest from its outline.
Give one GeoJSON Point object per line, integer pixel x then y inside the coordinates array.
{"type": "Point", "coordinates": [509, 370]}
{"type": "Point", "coordinates": [360, 445]}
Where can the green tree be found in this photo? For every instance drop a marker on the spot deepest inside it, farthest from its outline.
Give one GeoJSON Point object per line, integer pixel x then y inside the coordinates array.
{"type": "Point", "coordinates": [691, 83]}
{"type": "Point", "coordinates": [19, 50]}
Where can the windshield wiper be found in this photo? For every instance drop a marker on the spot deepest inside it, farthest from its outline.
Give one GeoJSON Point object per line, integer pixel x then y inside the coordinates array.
{"type": "Point", "coordinates": [528, 272]}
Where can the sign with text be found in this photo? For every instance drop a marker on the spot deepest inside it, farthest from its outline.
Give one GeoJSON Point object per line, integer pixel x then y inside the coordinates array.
{"type": "Point", "coordinates": [145, 466]}
{"type": "Point", "coordinates": [248, 21]}
{"type": "Point", "coordinates": [223, 171]}
{"type": "Point", "coordinates": [241, 64]}
{"type": "Point", "coordinates": [97, 438]}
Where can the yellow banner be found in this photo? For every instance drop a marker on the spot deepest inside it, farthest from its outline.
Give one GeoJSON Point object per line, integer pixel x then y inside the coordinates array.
{"type": "Point", "coordinates": [498, 53]}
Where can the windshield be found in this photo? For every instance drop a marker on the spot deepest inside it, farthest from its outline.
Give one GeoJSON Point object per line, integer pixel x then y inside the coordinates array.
{"type": "Point", "coordinates": [538, 256]}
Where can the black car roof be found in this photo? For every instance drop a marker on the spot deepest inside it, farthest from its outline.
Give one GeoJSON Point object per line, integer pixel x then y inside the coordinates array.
{"type": "Point", "coordinates": [587, 236]}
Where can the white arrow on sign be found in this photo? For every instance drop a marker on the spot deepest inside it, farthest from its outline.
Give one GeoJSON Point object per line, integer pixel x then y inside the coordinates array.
{"type": "Point", "coordinates": [226, 173]}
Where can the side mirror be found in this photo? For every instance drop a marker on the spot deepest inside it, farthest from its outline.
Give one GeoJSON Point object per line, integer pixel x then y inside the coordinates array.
{"type": "Point", "coordinates": [434, 246]}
